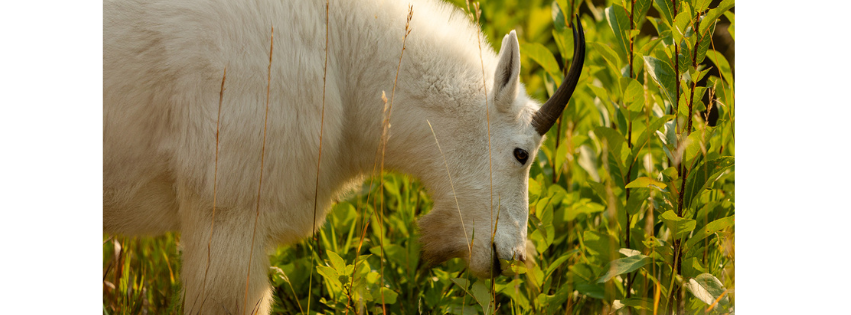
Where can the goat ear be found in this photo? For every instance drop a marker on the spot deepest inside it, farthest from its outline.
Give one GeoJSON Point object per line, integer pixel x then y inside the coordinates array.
{"type": "Point", "coordinates": [507, 75]}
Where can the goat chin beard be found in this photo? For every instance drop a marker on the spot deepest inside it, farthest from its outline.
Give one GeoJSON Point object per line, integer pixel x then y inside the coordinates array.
{"type": "Point", "coordinates": [482, 264]}
{"type": "Point", "coordinates": [443, 238]}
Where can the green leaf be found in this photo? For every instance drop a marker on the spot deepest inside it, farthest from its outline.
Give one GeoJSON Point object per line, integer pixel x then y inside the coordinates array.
{"type": "Point", "coordinates": [611, 57]}
{"type": "Point", "coordinates": [645, 136]}
{"type": "Point", "coordinates": [665, 145]}
{"type": "Point", "coordinates": [703, 176]}
{"type": "Point", "coordinates": [599, 92]}
{"type": "Point", "coordinates": [560, 158]}
{"type": "Point", "coordinates": [704, 41]}
{"type": "Point", "coordinates": [671, 134]}
{"type": "Point", "coordinates": [633, 94]}
{"type": "Point", "coordinates": [558, 16]}
{"type": "Point", "coordinates": [667, 10]}
{"type": "Point", "coordinates": [707, 288]}
{"type": "Point", "coordinates": [696, 144]}
{"type": "Point", "coordinates": [724, 96]}
{"type": "Point", "coordinates": [663, 30]}
{"type": "Point", "coordinates": [663, 74]}
{"type": "Point", "coordinates": [622, 125]}
{"type": "Point", "coordinates": [614, 140]}
{"type": "Point", "coordinates": [552, 267]}
{"type": "Point", "coordinates": [723, 66]}
{"type": "Point", "coordinates": [330, 275]}
{"type": "Point", "coordinates": [649, 46]}
{"type": "Point", "coordinates": [535, 275]}
{"type": "Point", "coordinates": [628, 252]}
{"type": "Point", "coordinates": [337, 262]}
{"type": "Point", "coordinates": [565, 7]}
{"type": "Point", "coordinates": [636, 198]}
{"type": "Point", "coordinates": [549, 84]}
{"type": "Point", "coordinates": [393, 253]}
{"type": "Point", "coordinates": [388, 295]}
{"type": "Point", "coordinates": [481, 292]}
{"type": "Point", "coordinates": [509, 289]}
{"type": "Point", "coordinates": [640, 11]}
{"type": "Point", "coordinates": [543, 57]}
{"type": "Point", "coordinates": [619, 24]}
{"type": "Point", "coordinates": [646, 182]}
{"type": "Point", "coordinates": [583, 206]}
{"type": "Point", "coordinates": [679, 227]}
{"type": "Point", "coordinates": [462, 283]}
{"type": "Point", "coordinates": [701, 5]}
{"type": "Point", "coordinates": [544, 214]}
{"type": "Point", "coordinates": [681, 23]}
{"type": "Point", "coordinates": [692, 267]}
{"type": "Point", "coordinates": [684, 59]}
{"type": "Point", "coordinates": [588, 161]}
{"type": "Point", "coordinates": [631, 34]}
{"type": "Point", "coordinates": [534, 189]}
{"type": "Point", "coordinates": [697, 75]}
{"type": "Point", "coordinates": [671, 173]}
{"type": "Point", "coordinates": [616, 171]}
{"type": "Point", "coordinates": [599, 245]}
{"type": "Point", "coordinates": [714, 14]}
{"type": "Point", "coordinates": [591, 290]}
{"type": "Point", "coordinates": [710, 229]}
{"type": "Point", "coordinates": [624, 265]}
{"type": "Point", "coordinates": [682, 107]}
{"type": "Point", "coordinates": [456, 309]}
{"type": "Point", "coordinates": [639, 303]}
{"type": "Point", "coordinates": [552, 302]}
{"type": "Point", "coordinates": [565, 46]}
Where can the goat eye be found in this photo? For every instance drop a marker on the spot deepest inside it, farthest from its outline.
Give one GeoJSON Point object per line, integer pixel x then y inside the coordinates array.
{"type": "Point", "coordinates": [521, 155]}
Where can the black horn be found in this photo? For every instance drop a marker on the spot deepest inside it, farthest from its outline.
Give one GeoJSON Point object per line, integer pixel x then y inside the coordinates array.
{"type": "Point", "coordinates": [551, 110]}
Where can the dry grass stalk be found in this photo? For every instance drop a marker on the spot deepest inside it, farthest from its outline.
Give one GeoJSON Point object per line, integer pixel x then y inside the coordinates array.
{"type": "Point", "coordinates": [451, 185]}
{"type": "Point", "coordinates": [457, 206]}
{"type": "Point", "coordinates": [262, 161]}
{"type": "Point", "coordinates": [215, 190]}
{"type": "Point", "coordinates": [385, 128]}
{"type": "Point", "coordinates": [321, 123]}
{"type": "Point", "coordinates": [365, 221]}
{"type": "Point", "coordinates": [319, 158]}
{"type": "Point", "coordinates": [717, 300]}
{"type": "Point", "coordinates": [354, 271]}
{"type": "Point", "coordinates": [478, 14]}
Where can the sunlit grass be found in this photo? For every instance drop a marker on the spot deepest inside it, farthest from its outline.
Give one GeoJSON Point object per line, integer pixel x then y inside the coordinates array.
{"type": "Point", "coordinates": [589, 211]}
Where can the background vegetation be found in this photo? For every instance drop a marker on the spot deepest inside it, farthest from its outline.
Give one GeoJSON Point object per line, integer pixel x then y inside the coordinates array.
{"type": "Point", "coordinates": [632, 197]}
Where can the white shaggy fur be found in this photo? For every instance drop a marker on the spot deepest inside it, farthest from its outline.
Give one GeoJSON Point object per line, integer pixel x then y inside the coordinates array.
{"type": "Point", "coordinates": [163, 64]}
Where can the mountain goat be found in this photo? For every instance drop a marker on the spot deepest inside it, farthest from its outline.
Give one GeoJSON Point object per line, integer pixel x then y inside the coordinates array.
{"type": "Point", "coordinates": [162, 69]}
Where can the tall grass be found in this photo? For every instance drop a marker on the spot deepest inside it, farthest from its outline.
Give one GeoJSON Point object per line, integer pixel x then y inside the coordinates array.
{"type": "Point", "coordinates": [632, 198]}
{"type": "Point", "coordinates": [319, 155]}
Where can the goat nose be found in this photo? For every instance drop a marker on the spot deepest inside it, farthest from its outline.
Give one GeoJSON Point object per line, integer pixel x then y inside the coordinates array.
{"type": "Point", "coordinates": [522, 258]}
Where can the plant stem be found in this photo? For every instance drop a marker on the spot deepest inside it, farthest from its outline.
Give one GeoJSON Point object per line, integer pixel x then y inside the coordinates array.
{"type": "Point", "coordinates": [555, 153]}
{"type": "Point", "coordinates": [629, 142]}
{"type": "Point", "coordinates": [260, 182]}
{"type": "Point", "coordinates": [631, 41]}
{"type": "Point", "coordinates": [675, 290]}
{"type": "Point", "coordinates": [694, 80]}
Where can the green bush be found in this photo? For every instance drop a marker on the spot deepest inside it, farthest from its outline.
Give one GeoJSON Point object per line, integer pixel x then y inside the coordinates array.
{"type": "Point", "coordinates": [632, 197]}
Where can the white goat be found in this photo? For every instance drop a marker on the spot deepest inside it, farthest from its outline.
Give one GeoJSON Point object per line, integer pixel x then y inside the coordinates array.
{"type": "Point", "coordinates": [162, 67]}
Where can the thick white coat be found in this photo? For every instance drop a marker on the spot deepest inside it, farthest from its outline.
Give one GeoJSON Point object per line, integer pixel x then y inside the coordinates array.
{"type": "Point", "coordinates": [163, 65]}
